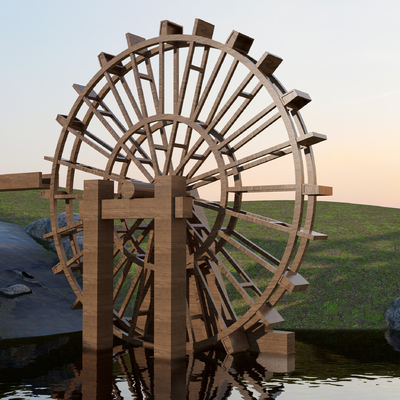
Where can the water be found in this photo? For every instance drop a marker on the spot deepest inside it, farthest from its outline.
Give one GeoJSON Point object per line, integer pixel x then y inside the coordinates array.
{"type": "Point", "coordinates": [327, 365]}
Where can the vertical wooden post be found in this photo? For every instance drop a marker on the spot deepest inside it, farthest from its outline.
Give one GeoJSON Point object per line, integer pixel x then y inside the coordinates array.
{"type": "Point", "coordinates": [169, 291]}
{"type": "Point", "coordinates": [98, 272]}
{"type": "Point", "coordinates": [170, 271]}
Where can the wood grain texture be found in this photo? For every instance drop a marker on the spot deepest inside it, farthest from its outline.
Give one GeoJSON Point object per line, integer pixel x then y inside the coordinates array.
{"type": "Point", "coordinates": [185, 112]}
{"type": "Point", "coordinates": [24, 181]}
{"type": "Point", "coordinates": [170, 272]}
{"type": "Point", "coordinates": [97, 278]}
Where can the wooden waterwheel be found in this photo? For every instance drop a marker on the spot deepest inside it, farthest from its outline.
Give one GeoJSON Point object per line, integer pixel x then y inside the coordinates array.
{"type": "Point", "coordinates": [190, 106]}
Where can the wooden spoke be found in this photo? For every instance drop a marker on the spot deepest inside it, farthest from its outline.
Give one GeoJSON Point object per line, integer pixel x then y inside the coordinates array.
{"type": "Point", "coordinates": [120, 157]}
{"type": "Point", "coordinates": [200, 78]}
{"type": "Point", "coordinates": [105, 111]}
{"type": "Point", "coordinates": [68, 196]}
{"type": "Point", "coordinates": [211, 122]}
{"type": "Point", "coordinates": [91, 144]}
{"type": "Point", "coordinates": [209, 85]}
{"type": "Point", "coordinates": [161, 79]}
{"type": "Point", "coordinates": [131, 98]}
{"type": "Point", "coordinates": [186, 157]}
{"type": "Point", "coordinates": [168, 157]}
{"type": "Point", "coordinates": [225, 305]}
{"type": "Point", "coordinates": [149, 256]}
{"type": "Point", "coordinates": [118, 267]}
{"type": "Point", "coordinates": [65, 231]}
{"type": "Point", "coordinates": [189, 326]}
{"type": "Point", "coordinates": [231, 278]}
{"type": "Point", "coordinates": [255, 133]}
{"type": "Point", "coordinates": [256, 248]}
{"type": "Point", "coordinates": [145, 232]}
{"type": "Point", "coordinates": [130, 293]}
{"type": "Point", "coordinates": [263, 188]}
{"type": "Point", "coordinates": [274, 224]}
{"type": "Point", "coordinates": [127, 253]}
{"type": "Point", "coordinates": [85, 168]}
{"type": "Point", "coordinates": [118, 99]}
{"type": "Point", "coordinates": [237, 268]}
{"type": "Point", "coordinates": [221, 93]}
{"type": "Point", "coordinates": [221, 136]}
{"type": "Point", "coordinates": [138, 77]}
{"type": "Point", "coordinates": [176, 78]}
{"type": "Point", "coordinates": [244, 127]}
{"type": "Point", "coordinates": [244, 163]}
{"type": "Point", "coordinates": [199, 275]}
{"type": "Point", "coordinates": [150, 78]}
{"type": "Point", "coordinates": [122, 279]}
{"type": "Point", "coordinates": [185, 79]}
{"type": "Point", "coordinates": [246, 251]}
{"type": "Point", "coordinates": [139, 86]}
{"type": "Point", "coordinates": [243, 107]}
{"type": "Point", "coordinates": [144, 287]}
{"type": "Point", "coordinates": [129, 235]}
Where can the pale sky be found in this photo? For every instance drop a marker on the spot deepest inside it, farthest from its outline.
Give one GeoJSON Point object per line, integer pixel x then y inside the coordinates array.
{"type": "Point", "coordinates": [345, 54]}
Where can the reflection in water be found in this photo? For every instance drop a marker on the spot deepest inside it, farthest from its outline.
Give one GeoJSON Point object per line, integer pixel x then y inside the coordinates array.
{"type": "Point", "coordinates": [134, 373]}
{"type": "Point", "coordinates": [328, 365]}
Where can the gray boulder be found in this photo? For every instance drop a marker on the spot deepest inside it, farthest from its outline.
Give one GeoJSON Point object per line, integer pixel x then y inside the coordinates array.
{"type": "Point", "coordinates": [393, 338]}
{"type": "Point", "coordinates": [392, 315]}
{"type": "Point", "coordinates": [38, 228]}
{"type": "Point", "coordinates": [15, 290]}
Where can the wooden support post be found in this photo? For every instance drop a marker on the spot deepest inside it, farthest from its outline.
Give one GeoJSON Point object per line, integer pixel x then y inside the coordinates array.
{"type": "Point", "coordinates": [170, 271]}
{"type": "Point", "coordinates": [170, 289]}
{"type": "Point", "coordinates": [98, 271]}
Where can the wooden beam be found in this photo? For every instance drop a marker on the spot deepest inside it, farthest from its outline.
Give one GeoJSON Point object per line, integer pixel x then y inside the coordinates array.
{"type": "Point", "coordinates": [138, 189]}
{"type": "Point", "coordinates": [264, 340]}
{"type": "Point", "coordinates": [24, 181]}
{"type": "Point", "coordinates": [317, 190]}
{"type": "Point", "coordinates": [128, 208]}
{"type": "Point", "coordinates": [268, 63]}
{"type": "Point", "coordinates": [170, 272]}
{"type": "Point", "coordinates": [295, 99]}
{"type": "Point", "coordinates": [98, 272]}
{"type": "Point", "coordinates": [170, 28]}
{"type": "Point", "coordinates": [293, 282]}
{"type": "Point", "coordinates": [240, 42]}
{"type": "Point", "coordinates": [203, 28]}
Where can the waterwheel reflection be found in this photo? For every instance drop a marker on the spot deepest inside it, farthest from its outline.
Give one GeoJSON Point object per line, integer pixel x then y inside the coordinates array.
{"type": "Point", "coordinates": [133, 373]}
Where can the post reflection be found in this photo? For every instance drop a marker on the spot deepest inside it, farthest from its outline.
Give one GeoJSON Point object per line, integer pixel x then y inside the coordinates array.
{"type": "Point", "coordinates": [133, 373]}
{"type": "Point", "coordinates": [97, 375]}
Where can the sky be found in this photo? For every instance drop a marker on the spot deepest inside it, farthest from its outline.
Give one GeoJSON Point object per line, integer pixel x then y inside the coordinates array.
{"type": "Point", "coordinates": [344, 54]}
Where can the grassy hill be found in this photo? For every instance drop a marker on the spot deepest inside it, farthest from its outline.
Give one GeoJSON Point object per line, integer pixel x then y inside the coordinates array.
{"type": "Point", "coordinates": [354, 276]}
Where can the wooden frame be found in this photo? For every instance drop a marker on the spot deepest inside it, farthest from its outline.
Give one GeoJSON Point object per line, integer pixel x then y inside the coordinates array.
{"type": "Point", "coordinates": [206, 124]}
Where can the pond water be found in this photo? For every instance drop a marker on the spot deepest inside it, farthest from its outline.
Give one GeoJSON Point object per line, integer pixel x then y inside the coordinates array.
{"type": "Point", "coordinates": [327, 365]}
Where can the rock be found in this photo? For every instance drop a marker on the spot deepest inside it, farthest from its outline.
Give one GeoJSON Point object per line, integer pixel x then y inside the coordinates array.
{"type": "Point", "coordinates": [15, 290]}
{"type": "Point", "coordinates": [25, 276]}
{"type": "Point", "coordinates": [38, 228]}
{"type": "Point", "coordinates": [392, 315]}
{"type": "Point", "coordinates": [393, 338]}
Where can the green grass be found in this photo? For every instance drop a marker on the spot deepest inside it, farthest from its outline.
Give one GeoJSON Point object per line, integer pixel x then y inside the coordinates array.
{"type": "Point", "coordinates": [353, 275]}
{"type": "Point", "coordinates": [24, 207]}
